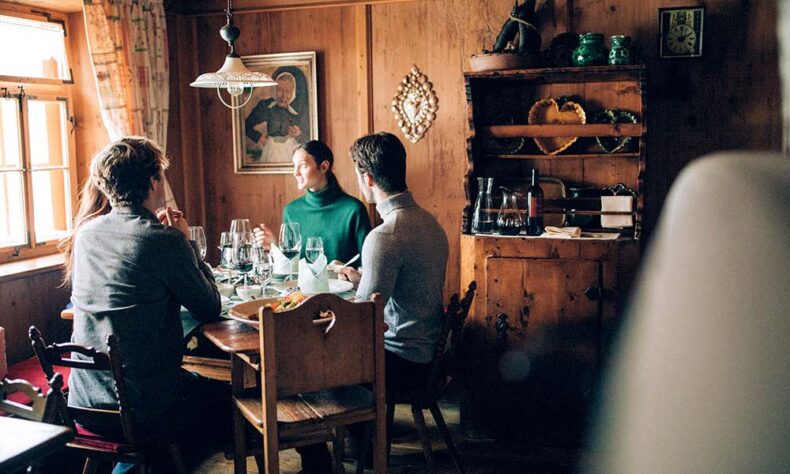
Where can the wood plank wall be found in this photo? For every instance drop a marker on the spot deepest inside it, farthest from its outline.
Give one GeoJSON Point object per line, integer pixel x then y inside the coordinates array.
{"type": "Point", "coordinates": [727, 100]}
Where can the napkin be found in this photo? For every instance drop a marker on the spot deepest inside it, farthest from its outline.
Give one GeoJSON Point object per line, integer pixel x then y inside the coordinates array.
{"type": "Point", "coordinates": [313, 277]}
{"type": "Point", "coordinates": [282, 265]}
{"type": "Point", "coordinates": [617, 204]}
{"type": "Point", "coordinates": [562, 232]}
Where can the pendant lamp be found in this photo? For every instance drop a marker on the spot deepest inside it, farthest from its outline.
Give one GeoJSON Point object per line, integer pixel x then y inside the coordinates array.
{"type": "Point", "coordinates": [233, 75]}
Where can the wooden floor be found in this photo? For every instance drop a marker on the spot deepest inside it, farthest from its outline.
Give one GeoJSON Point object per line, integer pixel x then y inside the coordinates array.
{"type": "Point", "coordinates": [477, 455]}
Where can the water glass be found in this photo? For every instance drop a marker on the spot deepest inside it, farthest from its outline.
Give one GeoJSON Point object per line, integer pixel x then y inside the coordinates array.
{"type": "Point", "coordinates": [226, 252]}
{"type": "Point", "coordinates": [314, 249]}
{"type": "Point", "coordinates": [197, 234]}
{"type": "Point", "coordinates": [242, 253]}
{"type": "Point", "coordinates": [290, 239]}
{"type": "Point", "coordinates": [263, 266]}
{"type": "Point", "coordinates": [240, 225]}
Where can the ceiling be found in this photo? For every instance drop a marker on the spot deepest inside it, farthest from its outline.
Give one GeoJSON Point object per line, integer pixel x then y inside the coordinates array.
{"type": "Point", "coordinates": [67, 6]}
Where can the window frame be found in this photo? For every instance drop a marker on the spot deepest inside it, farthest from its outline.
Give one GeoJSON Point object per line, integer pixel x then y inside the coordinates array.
{"type": "Point", "coordinates": [40, 89]}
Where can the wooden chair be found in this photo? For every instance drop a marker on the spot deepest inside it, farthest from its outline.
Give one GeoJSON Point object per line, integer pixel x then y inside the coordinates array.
{"type": "Point", "coordinates": [22, 399]}
{"type": "Point", "coordinates": [94, 447]}
{"type": "Point", "coordinates": [322, 368]}
{"type": "Point", "coordinates": [444, 361]}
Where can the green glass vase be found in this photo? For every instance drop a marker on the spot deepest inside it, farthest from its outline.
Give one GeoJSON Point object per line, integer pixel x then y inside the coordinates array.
{"type": "Point", "coordinates": [620, 52]}
{"type": "Point", "coordinates": [591, 51]}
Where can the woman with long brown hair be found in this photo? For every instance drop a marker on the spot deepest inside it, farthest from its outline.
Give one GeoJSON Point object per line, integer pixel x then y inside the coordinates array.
{"type": "Point", "coordinates": [92, 204]}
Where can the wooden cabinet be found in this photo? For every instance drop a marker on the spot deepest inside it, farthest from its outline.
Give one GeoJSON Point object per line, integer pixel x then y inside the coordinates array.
{"type": "Point", "coordinates": [546, 307]}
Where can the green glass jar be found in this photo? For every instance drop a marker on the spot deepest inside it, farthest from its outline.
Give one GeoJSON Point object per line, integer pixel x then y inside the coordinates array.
{"type": "Point", "coordinates": [591, 51]}
{"type": "Point", "coordinates": [620, 53]}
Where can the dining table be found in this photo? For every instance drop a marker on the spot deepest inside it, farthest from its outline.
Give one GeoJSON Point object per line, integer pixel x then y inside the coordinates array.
{"type": "Point", "coordinates": [23, 442]}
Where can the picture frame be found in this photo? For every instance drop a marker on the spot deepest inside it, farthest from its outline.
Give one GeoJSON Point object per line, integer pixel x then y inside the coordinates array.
{"type": "Point", "coordinates": [681, 32]}
{"type": "Point", "coordinates": [268, 129]}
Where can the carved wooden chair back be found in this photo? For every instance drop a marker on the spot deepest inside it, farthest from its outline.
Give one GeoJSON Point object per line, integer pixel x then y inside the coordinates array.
{"type": "Point", "coordinates": [62, 355]}
{"type": "Point", "coordinates": [325, 343]}
{"type": "Point", "coordinates": [39, 407]}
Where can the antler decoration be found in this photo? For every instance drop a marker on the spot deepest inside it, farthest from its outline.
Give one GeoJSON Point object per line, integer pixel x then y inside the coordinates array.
{"type": "Point", "coordinates": [415, 105]}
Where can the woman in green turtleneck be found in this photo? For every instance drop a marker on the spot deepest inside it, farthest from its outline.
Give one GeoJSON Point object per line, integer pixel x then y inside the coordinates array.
{"type": "Point", "coordinates": [325, 210]}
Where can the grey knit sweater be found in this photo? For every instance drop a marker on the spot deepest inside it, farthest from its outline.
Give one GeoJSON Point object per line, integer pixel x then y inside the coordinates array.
{"type": "Point", "coordinates": [404, 260]}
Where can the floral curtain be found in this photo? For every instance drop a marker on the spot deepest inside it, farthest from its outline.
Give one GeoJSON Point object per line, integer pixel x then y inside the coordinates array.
{"type": "Point", "coordinates": [128, 49]}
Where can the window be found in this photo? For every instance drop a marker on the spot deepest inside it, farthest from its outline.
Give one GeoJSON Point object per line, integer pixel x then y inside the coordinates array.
{"type": "Point", "coordinates": [37, 169]}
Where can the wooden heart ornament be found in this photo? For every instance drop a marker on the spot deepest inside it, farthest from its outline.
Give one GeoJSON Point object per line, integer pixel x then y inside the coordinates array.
{"type": "Point", "coordinates": [548, 112]}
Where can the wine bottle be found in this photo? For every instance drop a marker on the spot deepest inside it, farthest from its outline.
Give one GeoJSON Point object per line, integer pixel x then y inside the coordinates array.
{"type": "Point", "coordinates": [535, 205]}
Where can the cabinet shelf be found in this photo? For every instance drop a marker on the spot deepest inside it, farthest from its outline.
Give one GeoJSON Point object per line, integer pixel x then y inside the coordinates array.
{"type": "Point", "coordinates": [574, 156]}
{"type": "Point", "coordinates": [634, 72]}
{"type": "Point", "coordinates": [564, 130]}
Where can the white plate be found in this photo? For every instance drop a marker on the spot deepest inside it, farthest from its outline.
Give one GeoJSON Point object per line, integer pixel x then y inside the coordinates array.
{"type": "Point", "coordinates": [335, 286]}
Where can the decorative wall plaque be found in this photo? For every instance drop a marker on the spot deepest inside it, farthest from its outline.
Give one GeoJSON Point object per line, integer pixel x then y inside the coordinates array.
{"type": "Point", "coordinates": [415, 105]}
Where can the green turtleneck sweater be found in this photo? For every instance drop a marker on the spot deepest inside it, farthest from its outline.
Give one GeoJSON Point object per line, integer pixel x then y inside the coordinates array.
{"type": "Point", "coordinates": [339, 219]}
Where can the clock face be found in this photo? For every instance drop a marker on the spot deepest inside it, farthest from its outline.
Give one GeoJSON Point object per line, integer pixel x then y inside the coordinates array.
{"type": "Point", "coordinates": [681, 32]}
{"type": "Point", "coordinates": [681, 39]}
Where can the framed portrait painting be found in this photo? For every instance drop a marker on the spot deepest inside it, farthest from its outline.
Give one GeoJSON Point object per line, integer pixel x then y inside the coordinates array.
{"type": "Point", "coordinates": [276, 120]}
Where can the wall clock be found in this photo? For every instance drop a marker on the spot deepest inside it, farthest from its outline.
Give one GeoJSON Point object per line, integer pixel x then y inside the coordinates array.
{"type": "Point", "coordinates": [680, 31]}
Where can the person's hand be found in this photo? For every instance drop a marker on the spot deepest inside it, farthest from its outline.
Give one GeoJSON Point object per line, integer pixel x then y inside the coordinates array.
{"type": "Point", "coordinates": [264, 237]}
{"type": "Point", "coordinates": [262, 139]}
{"type": "Point", "coordinates": [174, 218]}
{"type": "Point", "coordinates": [294, 131]}
{"type": "Point", "coordinates": [349, 274]}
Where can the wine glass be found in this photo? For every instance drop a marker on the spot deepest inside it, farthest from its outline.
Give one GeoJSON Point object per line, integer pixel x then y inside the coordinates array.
{"type": "Point", "coordinates": [197, 234]}
{"type": "Point", "coordinates": [240, 225]}
{"type": "Point", "coordinates": [242, 253]}
{"type": "Point", "coordinates": [263, 266]}
{"type": "Point", "coordinates": [226, 252]}
{"type": "Point", "coordinates": [314, 249]}
{"type": "Point", "coordinates": [290, 239]}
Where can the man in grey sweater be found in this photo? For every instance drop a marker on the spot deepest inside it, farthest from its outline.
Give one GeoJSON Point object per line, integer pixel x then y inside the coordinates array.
{"type": "Point", "coordinates": [131, 272]}
{"type": "Point", "coordinates": [404, 260]}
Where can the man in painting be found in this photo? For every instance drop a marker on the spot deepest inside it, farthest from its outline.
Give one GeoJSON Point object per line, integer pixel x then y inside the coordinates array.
{"type": "Point", "coordinates": [275, 125]}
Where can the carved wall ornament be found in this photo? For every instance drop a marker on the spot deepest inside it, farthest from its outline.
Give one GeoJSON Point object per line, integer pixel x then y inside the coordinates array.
{"type": "Point", "coordinates": [415, 105]}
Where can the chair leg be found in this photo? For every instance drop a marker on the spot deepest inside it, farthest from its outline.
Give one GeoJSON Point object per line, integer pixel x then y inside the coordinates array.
{"type": "Point", "coordinates": [390, 422]}
{"type": "Point", "coordinates": [362, 455]}
{"type": "Point", "coordinates": [239, 443]}
{"type": "Point", "coordinates": [422, 430]}
{"type": "Point", "coordinates": [338, 447]}
{"type": "Point", "coordinates": [448, 440]}
{"type": "Point", "coordinates": [90, 466]}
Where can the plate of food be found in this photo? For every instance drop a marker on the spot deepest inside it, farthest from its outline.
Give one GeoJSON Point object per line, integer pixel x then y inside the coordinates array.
{"type": "Point", "coordinates": [335, 286]}
{"type": "Point", "coordinates": [248, 312]}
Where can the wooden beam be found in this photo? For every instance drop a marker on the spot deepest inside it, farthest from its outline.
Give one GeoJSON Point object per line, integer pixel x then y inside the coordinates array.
{"type": "Point", "coordinates": [217, 7]}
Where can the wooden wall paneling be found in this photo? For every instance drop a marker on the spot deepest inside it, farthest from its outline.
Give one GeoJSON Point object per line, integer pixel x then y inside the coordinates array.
{"type": "Point", "coordinates": [217, 7]}
{"type": "Point", "coordinates": [334, 35]}
{"type": "Point", "coordinates": [439, 37]}
{"type": "Point", "coordinates": [90, 134]}
{"type": "Point", "coordinates": [33, 300]}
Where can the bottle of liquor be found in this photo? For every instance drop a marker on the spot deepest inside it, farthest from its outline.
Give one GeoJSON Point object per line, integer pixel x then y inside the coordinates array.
{"type": "Point", "coordinates": [535, 205]}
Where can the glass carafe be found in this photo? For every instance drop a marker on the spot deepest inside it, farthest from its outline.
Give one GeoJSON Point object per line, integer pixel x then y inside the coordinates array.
{"type": "Point", "coordinates": [509, 220]}
{"type": "Point", "coordinates": [483, 218]}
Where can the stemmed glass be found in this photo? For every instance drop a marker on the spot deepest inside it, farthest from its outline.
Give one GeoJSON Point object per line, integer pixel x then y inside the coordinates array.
{"type": "Point", "coordinates": [226, 252]}
{"type": "Point", "coordinates": [314, 249]}
{"type": "Point", "coordinates": [263, 266]}
{"type": "Point", "coordinates": [290, 239]}
{"type": "Point", "coordinates": [242, 252]}
{"type": "Point", "coordinates": [197, 234]}
{"type": "Point", "coordinates": [240, 225]}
